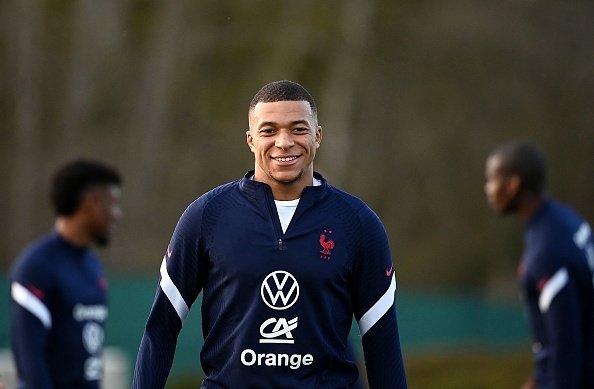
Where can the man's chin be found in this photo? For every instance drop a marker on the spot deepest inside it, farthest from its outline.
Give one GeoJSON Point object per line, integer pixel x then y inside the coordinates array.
{"type": "Point", "coordinates": [287, 179]}
{"type": "Point", "coordinates": [503, 212]}
{"type": "Point", "coordinates": [102, 241]}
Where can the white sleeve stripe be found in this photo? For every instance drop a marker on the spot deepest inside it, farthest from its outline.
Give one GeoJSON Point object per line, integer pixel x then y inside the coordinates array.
{"type": "Point", "coordinates": [582, 234]}
{"type": "Point", "coordinates": [551, 288]}
{"type": "Point", "coordinates": [172, 293]}
{"type": "Point", "coordinates": [31, 303]}
{"type": "Point", "coordinates": [378, 310]}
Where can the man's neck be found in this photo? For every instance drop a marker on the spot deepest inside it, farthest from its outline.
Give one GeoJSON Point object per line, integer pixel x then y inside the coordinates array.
{"type": "Point", "coordinates": [70, 230]}
{"type": "Point", "coordinates": [529, 206]}
{"type": "Point", "coordinates": [287, 191]}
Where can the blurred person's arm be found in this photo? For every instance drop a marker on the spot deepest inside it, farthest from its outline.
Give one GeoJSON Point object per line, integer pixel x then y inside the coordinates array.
{"type": "Point", "coordinates": [30, 326]}
{"type": "Point", "coordinates": [563, 324]}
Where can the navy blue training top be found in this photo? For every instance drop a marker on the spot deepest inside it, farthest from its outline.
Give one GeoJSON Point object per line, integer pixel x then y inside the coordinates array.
{"type": "Point", "coordinates": [277, 307]}
{"type": "Point", "coordinates": [556, 274]}
{"type": "Point", "coordinates": [58, 308]}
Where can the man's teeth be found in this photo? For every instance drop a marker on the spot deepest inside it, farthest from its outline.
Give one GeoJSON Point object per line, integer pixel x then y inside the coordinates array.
{"type": "Point", "coordinates": [286, 159]}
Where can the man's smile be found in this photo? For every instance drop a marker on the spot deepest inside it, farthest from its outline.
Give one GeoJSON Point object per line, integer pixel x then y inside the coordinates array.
{"type": "Point", "coordinates": [285, 159]}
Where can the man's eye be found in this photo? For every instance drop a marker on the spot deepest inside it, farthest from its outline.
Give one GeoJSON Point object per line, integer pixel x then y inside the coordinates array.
{"type": "Point", "coordinates": [266, 131]}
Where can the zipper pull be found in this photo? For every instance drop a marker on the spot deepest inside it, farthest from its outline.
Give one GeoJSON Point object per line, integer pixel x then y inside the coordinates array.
{"type": "Point", "coordinates": [280, 244]}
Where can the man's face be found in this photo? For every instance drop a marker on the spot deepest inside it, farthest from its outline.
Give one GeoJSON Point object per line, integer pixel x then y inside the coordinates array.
{"type": "Point", "coordinates": [501, 189]}
{"type": "Point", "coordinates": [106, 212]}
{"type": "Point", "coordinates": [284, 137]}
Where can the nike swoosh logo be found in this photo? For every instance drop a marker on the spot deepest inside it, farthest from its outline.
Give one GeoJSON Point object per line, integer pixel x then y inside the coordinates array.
{"type": "Point", "coordinates": [389, 271]}
{"type": "Point", "coordinates": [169, 252]}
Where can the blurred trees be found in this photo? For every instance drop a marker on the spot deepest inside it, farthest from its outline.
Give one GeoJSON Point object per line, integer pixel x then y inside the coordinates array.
{"type": "Point", "coordinates": [412, 96]}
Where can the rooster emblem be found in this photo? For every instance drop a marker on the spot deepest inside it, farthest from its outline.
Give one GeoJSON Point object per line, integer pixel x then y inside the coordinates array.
{"type": "Point", "coordinates": [326, 244]}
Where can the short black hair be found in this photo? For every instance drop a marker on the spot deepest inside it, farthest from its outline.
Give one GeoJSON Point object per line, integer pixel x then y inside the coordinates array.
{"type": "Point", "coordinates": [528, 161]}
{"type": "Point", "coordinates": [283, 90]}
{"type": "Point", "coordinates": [71, 180]}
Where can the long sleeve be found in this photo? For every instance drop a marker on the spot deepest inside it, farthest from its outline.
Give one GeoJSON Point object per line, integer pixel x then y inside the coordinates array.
{"type": "Point", "coordinates": [30, 325]}
{"type": "Point", "coordinates": [375, 310]}
{"type": "Point", "coordinates": [383, 356]}
{"type": "Point", "coordinates": [157, 348]}
{"type": "Point", "coordinates": [563, 325]}
{"type": "Point", "coordinates": [177, 290]}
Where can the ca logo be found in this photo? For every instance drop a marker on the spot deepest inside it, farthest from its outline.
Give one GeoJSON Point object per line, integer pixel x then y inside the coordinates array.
{"type": "Point", "coordinates": [281, 327]}
{"type": "Point", "coordinates": [280, 290]}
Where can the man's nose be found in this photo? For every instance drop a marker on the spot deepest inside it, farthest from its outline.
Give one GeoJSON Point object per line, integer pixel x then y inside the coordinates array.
{"type": "Point", "coordinates": [284, 140]}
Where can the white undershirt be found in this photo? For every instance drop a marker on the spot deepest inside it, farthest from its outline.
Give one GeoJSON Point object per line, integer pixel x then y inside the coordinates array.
{"type": "Point", "coordinates": [286, 208]}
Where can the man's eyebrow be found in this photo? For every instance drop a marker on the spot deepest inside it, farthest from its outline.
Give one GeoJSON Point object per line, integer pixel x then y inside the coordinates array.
{"type": "Point", "coordinates": [274, 124]}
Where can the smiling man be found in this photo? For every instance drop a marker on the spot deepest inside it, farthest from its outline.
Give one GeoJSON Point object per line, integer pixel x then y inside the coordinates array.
{"type": "Point", "coordinates": [283, 261]}
{"type": "Point", "coordinates": [284, 137]}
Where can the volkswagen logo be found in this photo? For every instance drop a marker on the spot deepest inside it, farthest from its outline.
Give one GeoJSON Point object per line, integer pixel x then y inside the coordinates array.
{"type": "Point", "coordinates": [280, 290]}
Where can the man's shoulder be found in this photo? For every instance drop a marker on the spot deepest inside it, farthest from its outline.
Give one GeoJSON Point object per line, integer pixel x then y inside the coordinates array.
{"type": "Point", "coordinates": [562, 214]}
{"type": "Point", "coordinates": [344, 195]}
{"type": "Point", "coordinates": [220, 192]}
{"type": "Point", "coordinates": [557, 225]}
{"type": "Point", "coordinates": [210, 200]}
{"type": "Point", "coordinates": [36, 256]}
{"type": "Point", "coordinates": [348, 199]}
{"type": "Point", "coordinates": [39, 247]}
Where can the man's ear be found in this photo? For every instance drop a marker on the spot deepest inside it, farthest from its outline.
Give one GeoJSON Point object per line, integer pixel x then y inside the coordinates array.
{"type": "Point", "coordinates": [86, 206]}
{"type": "Point", "coordinates": [91, 201]}
{"type": "Point", "coordinates": [513, 185]}
{"type": "Point", "coordinates": [249, 140]}
{"type": "Point", "coordinates": [318, 136]}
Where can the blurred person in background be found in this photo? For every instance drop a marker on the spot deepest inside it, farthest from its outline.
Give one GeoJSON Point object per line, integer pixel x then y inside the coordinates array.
{"type": "Point", "coordinates": [556, 270]}
{"type": "Point", "coordinates": [283, 261]}
{"type": "Point", "coordinates": [57, 285]}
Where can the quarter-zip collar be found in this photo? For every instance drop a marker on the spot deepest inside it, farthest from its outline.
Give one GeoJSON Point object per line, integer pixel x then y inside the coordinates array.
{"type": "Point", "coordinates": [262, 194]}
{"type": "Point", "coordinates": [256, 190]}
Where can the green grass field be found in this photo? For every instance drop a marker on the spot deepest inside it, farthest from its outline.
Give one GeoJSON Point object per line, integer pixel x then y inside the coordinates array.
{"type": "Point", "coordinates": [469, 370]}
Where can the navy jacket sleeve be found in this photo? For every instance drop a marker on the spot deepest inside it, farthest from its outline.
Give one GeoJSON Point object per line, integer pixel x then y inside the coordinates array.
{"type": "Point", "coordinates": [563, 323]}
{"type": "Point", "coordinates": [30, 324]}
{"type": "Point", "coordinates": [178, 288]}
{"type": "Point", "coordinates": [556, 284]}
{"type": "Point", "coordinates": [375, 307]}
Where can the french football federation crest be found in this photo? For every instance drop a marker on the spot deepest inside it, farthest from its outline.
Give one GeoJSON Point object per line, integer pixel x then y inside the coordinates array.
{"type": "Point", "coordinates": [327, 244]}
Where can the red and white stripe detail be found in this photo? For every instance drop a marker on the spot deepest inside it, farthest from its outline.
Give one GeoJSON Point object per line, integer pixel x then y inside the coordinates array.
{"type": "Point", "coordinates": [551, 288]}
{"type": "Point", "coordinates": [26, 299]}
{"type": "Point", "coordinates": [379, 309]}
{"type": "Point", "coordinates": [172, 293]}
